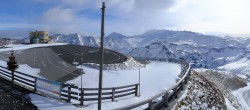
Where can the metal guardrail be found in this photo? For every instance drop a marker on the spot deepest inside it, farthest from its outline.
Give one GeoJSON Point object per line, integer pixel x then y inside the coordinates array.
{"type": "Point", "coordinates": [167, 95]}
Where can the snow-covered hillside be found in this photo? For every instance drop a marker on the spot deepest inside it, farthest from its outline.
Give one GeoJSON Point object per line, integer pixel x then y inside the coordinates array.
{"type": "Point", "coordinates": [74, 39]}
{"type": "Point", "coordinates": [201, 50]}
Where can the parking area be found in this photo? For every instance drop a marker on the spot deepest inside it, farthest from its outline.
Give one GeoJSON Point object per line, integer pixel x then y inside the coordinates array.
{"type": "Point", "coordinates": [58, 62]}
{"type": "Point", "coordinates": [86, 54]}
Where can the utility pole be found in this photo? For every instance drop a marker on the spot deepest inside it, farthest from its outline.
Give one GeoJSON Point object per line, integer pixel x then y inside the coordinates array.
{"type": "Point", "coordinates": [101, 59]}
{"type": "Point", "coordinates": [81, 70]}
{"type": "Point", "coordinates": [139, 81]}
{"type": "Point", "coordinates": [81, 81]}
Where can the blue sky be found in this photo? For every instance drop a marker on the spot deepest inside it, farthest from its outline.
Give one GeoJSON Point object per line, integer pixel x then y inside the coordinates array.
{"type": "Point", "coordinates": [126, 16]}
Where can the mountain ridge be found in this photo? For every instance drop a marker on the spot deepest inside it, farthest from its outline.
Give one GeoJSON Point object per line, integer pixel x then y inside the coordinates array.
{"type": "Point", "coordinates": [206, 51]}
{"type": "Point", "coordinates": [200, 50]}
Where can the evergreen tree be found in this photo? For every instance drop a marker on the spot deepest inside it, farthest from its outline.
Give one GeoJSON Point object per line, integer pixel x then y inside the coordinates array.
{"type": "Point", "coordinates": [12, 64]}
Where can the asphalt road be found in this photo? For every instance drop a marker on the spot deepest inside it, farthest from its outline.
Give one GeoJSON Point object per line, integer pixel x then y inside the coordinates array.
{"type": "Point", "coordinates": [14, 98]}
{"type": "Point", "coordinates": [51, 66]}
{"type": "Point", "coordinates": [86, 54]}
{"type": "Point", "coordinates": [56, 62]}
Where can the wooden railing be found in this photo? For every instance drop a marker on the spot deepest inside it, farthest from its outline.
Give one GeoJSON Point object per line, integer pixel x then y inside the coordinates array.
{"type": "Point", "coordinates": [91, 94]}
{"type": "Point", "coordinates": [166, 96]}
{"type": "Point", "coordinates": [72, 92]}
{"type": "Point", "coordinates": [21, 79]}
{"type": "Point", "coordinates": [69, 91]}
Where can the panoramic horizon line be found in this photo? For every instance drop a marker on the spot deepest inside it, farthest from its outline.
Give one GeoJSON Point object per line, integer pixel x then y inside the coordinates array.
{"type": "Point", "coordinates": [218, 34]}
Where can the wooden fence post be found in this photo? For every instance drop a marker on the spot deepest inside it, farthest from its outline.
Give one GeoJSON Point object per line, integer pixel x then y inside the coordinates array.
{"type": "Point", "coordinates": [185, 80]}
{"type": "Point", "coordinates": [150, 105]}
{"type": "Point", "coordinates": [12, 75]}
{"type": "Point", "coordinates": [82, 94]}
{"type": "Point", "coordinates": [69, 93]}
{"type": "Point", "coordinates": [35, 84]}
{"type": "Point", "coordinates": [181, 84]}
{"type": "Point", "coordinates": [136, 89]}
{"type": "Point", "coordinates": [176, 92]}
{"type": "Point", "coordinates": [113, 94]}
{"type": "Point", "coordinates": [166, 99]}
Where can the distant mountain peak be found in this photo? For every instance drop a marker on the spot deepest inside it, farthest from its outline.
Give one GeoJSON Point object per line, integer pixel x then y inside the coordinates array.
{"type": "Point", "coordinates": [115, 35]}
{"type": "Point", "coordinates": [76, 39]}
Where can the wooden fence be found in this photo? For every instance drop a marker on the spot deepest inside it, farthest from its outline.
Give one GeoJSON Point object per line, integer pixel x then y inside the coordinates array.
{"type": "Point", "coordinates": [21, 79]}
{"type": "Point", "coordinates": [91, 94]}
{"type": "Point", "coordinates": [69, 91]}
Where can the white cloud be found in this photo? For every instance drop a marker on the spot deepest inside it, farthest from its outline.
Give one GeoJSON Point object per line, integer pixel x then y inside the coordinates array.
{"type": "Point", "coordinates": [153, 5]}
{"type": "Point", "coordinates": [137, 16]}
{"type": "Point", "coordinates": [120, 5]}
{"type": "Point", "coordinates": [66, 21]}
{"type": "Point", "coordinates": [58, 15]}
{"type": "Point", "coordinates": [225, 16]}
{"type": "Point", "coordinates": [75, 2]}
{"type": "Point", "coordinates": [124, 15]}
{"type": "Point", "coordinates": [4, 26]}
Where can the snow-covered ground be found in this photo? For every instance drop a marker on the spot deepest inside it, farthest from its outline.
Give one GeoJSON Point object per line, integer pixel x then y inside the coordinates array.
{"type": "Point", "coordinates": [200, 95]}
{"type": "Point", "coordinates": [21, 46]}
{"type": "Point", "coordinates": [235, 88]}
{"type": "Point", "coordinates": [25, 69]}
{"type": "Point", "coordinates": [241, 66]}
{"type": "Point", "coordinates": [155, 77]}
{"type": "Point", "coordinates": [243, 96]}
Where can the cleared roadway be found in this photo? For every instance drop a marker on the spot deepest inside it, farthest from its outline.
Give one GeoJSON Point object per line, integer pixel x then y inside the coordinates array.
{"type": "Point", "coordinates": [56, 62]}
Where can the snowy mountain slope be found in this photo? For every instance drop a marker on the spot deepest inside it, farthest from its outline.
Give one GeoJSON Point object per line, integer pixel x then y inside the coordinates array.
{"type": "Point", "coordinates": [76, 39]}
{"type": "Point", "coordinates": [119, 42]}
{"type": "Point", "coordinates": [238, 64]}
{"type": "Point", "coordinates": [235, 88]}
{"type": "Point", "coordinates": [200, 95]}
{"type": "Point", "coordinates": [201, 50]}
{"type": "Point", "coordinates": [241, 66]}
{"type": "Point", "coordinates": [155, 50]}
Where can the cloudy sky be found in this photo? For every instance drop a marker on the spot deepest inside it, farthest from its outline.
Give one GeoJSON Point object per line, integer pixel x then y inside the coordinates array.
{"type": "Point", "coordinates": [126, 16]}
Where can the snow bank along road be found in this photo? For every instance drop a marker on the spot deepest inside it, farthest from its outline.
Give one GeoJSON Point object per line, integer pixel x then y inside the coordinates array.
{"type": "Point", "coordinates": [56, 62]}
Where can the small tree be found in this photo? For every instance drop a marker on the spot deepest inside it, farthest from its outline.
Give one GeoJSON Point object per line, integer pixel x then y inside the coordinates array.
{"type": "Point", "coordinates": [12, 64]}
